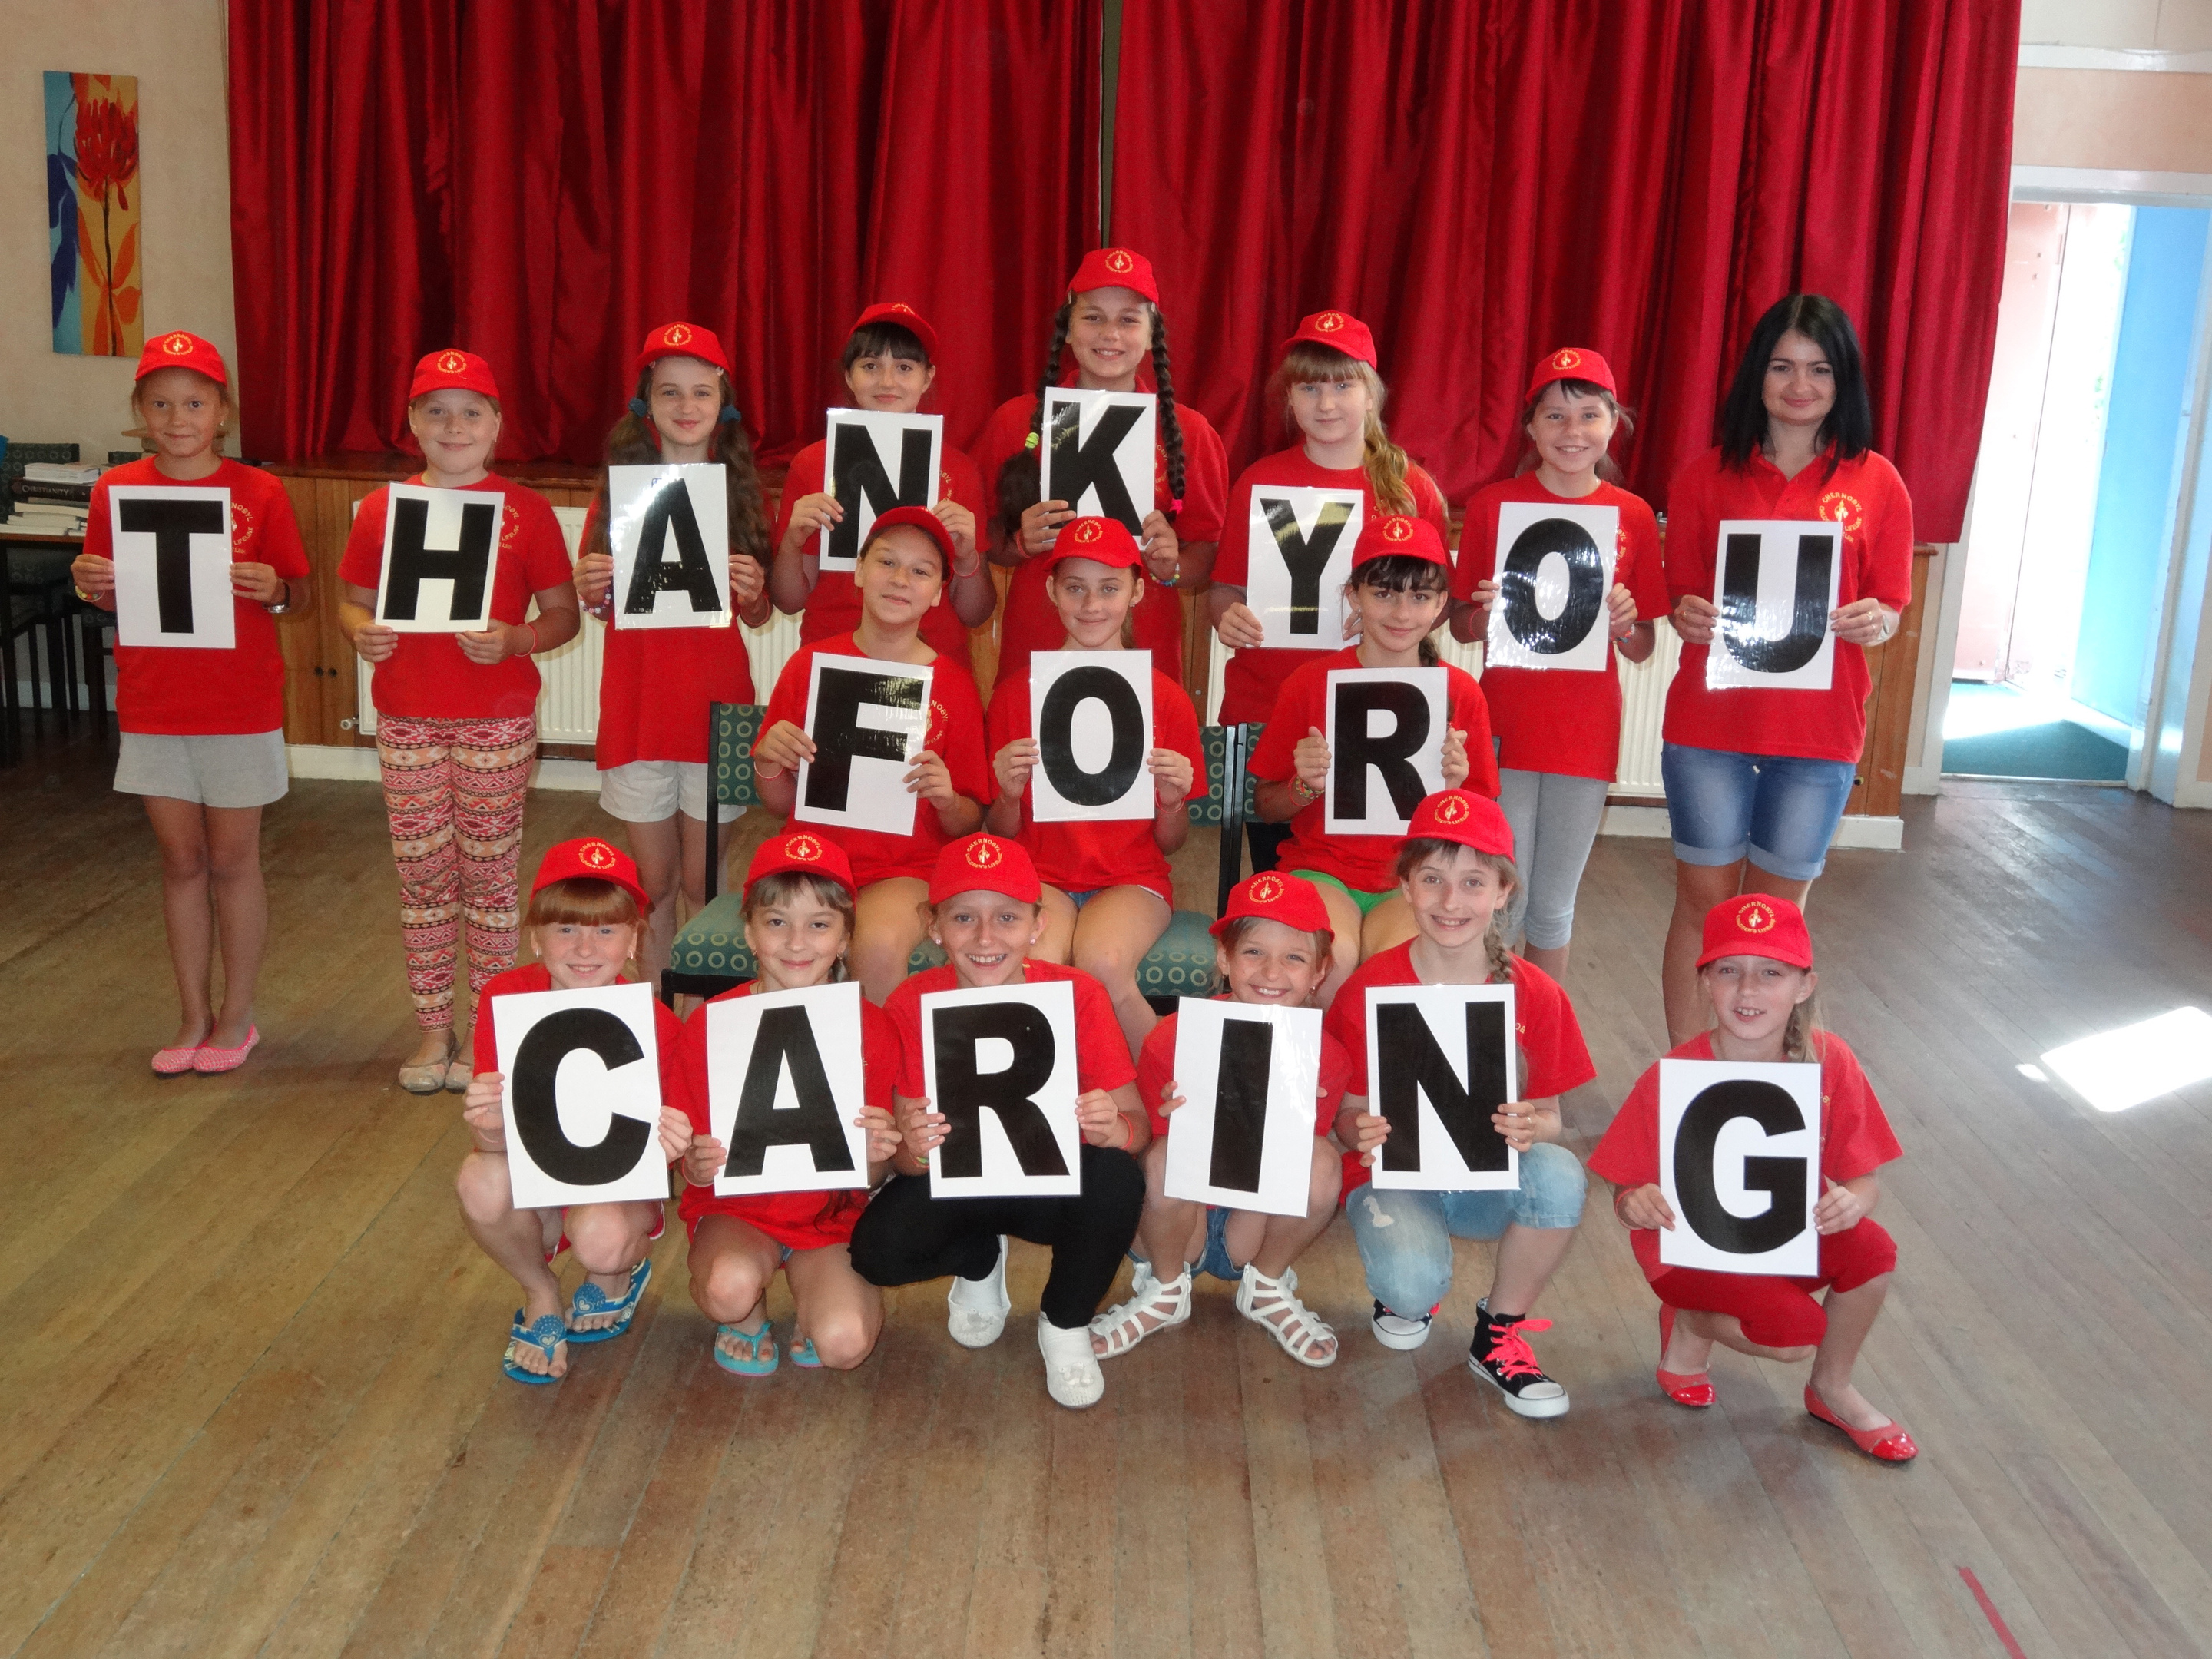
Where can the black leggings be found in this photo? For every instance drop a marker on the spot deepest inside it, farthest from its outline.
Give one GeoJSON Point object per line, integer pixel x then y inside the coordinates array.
{"type": "Point", "coordinates": [905, 1235]}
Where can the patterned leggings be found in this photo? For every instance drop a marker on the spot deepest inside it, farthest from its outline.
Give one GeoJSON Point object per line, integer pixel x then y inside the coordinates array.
{"type": "Point", "coordinates": [454, 790]}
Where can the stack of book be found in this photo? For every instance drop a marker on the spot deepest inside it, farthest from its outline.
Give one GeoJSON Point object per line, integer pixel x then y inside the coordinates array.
{"type": "Point", "coordinates": [52, 498]}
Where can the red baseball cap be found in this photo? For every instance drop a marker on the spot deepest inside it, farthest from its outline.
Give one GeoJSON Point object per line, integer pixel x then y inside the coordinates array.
{"type": "Point", "coordinates": [985, 864]}
{"type": "Point", "coordinates": [804, 851]}
{"type": "Point", "coordinates": [899, 312]}
{"type": "Point", "coordinates": [453, 368]}
{"type": "Point", "coordinates": [1115, 267]}
{"type": "Point", "coordinates": [921, 518]}
{"type": "Point", "coordinates": [1387, 534]}
{"type": "Point", "coordinates": [1571, 363]}
{"type": "Point", "coordinates": [1340, 330]}
{"type": "Point", "coordinates": [1275, 897]}
{"type": "Point", "coordinates": [1106, 540]}
{"type": "Point", "coordinates": [179, 350]}
{"type": "Point", "coordinates": [591, 859]}
{"type": "Point", "coordinates": [681, 340]}
{"type": "Point", "coordinates": [1757, 924]}
{"type": "Point", "coordinates": [1462, 815]}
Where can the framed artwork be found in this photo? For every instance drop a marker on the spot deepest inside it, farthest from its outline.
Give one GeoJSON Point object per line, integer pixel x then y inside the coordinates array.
{"type": "Point", "coordinates": [92, 213]}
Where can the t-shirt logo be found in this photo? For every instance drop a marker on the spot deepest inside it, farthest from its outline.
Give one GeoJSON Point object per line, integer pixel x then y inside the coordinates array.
{"type": "Point", "coordinates": [1265, 889]}
{"type": "Point", "coordinates": [1395, 529]}
{"type": "Point", "coordinates": [985, 853]}
{"type": "Point", "coordinates": [804, 849]}
{"type": "Point", "coordinates": [1119, 261]}
{"type": "Point", "coordinates": [1451, 808]}
{"type": "Point", "coordinates": [597, 854]}
{"type": "Point", "coordinates": [1754, 917]}
{"type": "Point", "coordinates": [178, 345]}
{"type": "Point", "coordinates": [452, 362]}
{"type": "Point", "coordinates": [1328, 322]}
{"type": "Point", "coordinates": [1087, 533]}
{"type": "Point", "coordinates": [1844, 508]}
{"type": "Point", "coordinates": [1566, 359]}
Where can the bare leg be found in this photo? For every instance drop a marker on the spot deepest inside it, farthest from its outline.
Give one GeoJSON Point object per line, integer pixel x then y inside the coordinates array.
{"type": "Point", "coordinates": [241, 909]}
{"type": "Point", "coordinates": [1058, 939]}
{"type": "Point", "coordinates": [1527, 1259]}
{"type": "Point", "coordinates": [1171, 1232]}
{"type": "Point", "coordinates": [839, 1311]}
{"type": "Point", "coordinates": [693, 833]}
{"type": "Point", "coordinates": [516, 1240]}
{"type": "Point", "coordinates": [1287, 1237]}
{"type": "Point", "coordinates": [1344, 926]}
{"type": "Point", "coordinates": [1112, 934]}
{"type": "Point", "coordinates": [1850, 1317]}
{"type": "Point", "coordinates": [1552, 960]}
{"type": "Point", "coordinates": [1390, 923]}
{"type": "Point", "coordinates": [609, 1241]}
{"type": "Point", "coordinates": [658, 847]}
{"type": "Point", "coordinates": [180, 831]}
{"type": "Point", "coordinates": [887, 925]}
{"type": "Point", "coordinates": [1690, 1349]}
{"type": "Point", "coordinates": [732, 1262]}
{"type": "Point", "coordinates": [1697, 887]}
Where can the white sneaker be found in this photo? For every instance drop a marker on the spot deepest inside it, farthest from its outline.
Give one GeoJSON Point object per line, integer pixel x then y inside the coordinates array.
{"type": "Point", "coordinates": [1070, 1370]}
{"type": "Point", "coordinates": [976, 1307]}
{"type": "Point", "coordinates": [1394, 1332]}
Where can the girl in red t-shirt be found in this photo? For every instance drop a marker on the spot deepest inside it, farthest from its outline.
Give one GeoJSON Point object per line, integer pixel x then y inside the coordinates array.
{"type": "Point", "coordinates": [902, 575]}
{"type": "Point", "coordinates": [1757, 779]}
{"type": "Point", "coordinates": [1112, 323]}
{"type": "Point", "coordinates": [1109, 893]}
{"type": "Point", "coordinates": [1331, 395]}
{"type": "Point", "coordinates": [587, 917]}
{"type": "Point", "coordinates": [1273, 952]}
{"type": "Point", "coordinates": [1558, 730]}
{"type": "Point", "coordinates": [202, 730]}
{"type": "Point", "coordinates": [799, 921]}
{"type": "Point", "coordinates": [1756, 976]}
{"type": "Point", "coordinates": [888, 368]}
{"type": "Point", "coordinates": [655, 684]}
{"type": "Point", "coordinates": [456, 715]}
{"type": "Point", "coordinates": [1397, 594]}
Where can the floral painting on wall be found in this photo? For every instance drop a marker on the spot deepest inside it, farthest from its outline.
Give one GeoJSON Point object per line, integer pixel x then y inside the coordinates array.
{"type": "Point", "coordinates": [92, 213]}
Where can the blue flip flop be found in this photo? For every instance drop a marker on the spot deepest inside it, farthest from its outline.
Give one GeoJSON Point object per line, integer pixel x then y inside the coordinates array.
{"type": "Point", "coordinates": [546, 1334]}
{"type": "Point", "coordinates": [590, 1299]}
{"type": "Point", "coordinates": [764, 1354]}
{"type": "Point", "coordinates": [803, 1354]}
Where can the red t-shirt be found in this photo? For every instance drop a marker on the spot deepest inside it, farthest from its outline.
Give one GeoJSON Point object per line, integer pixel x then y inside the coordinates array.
{"type": "Point", "coordinates": [1078, 857]}
{"type": "Point", "coordinates": [955, 735]}
{"type": "Point", "coordinates": [1856, 1138]}
{"type": "Point", "coordinates": [1254, 674]}
{"type": "Point", "coordinates": [834, 606]}
{"type": "Point", "coordinates": [1156, 1070]}
{"type": "Point", "coordinates": [1562, 720]}
{"type": "Point", "coordinates": [1028, 622]}
{"type": "Point", "coordinates": [1102, 1052]}
{"type": "Point", "coordinates": [1867, 498]}
{"type": "Point", "coordinates": [804, 1221]}
{"type": "Point", "coordinates": [655, 684]}
{"type": "Point", "coordinates": [1554, 1057]}
{"type": "Point", "coordinates": [667, 1032]}
{"type": "Point", "coordinates": [428, 677]}
{"type": "Point", "coordinates": [1366, 864]}
{"type": "Point", "coordinates": [162, 689]}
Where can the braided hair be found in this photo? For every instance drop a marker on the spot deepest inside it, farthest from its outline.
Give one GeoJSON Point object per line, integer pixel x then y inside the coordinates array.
{"type": "Point", "coordinates": [636, 442]}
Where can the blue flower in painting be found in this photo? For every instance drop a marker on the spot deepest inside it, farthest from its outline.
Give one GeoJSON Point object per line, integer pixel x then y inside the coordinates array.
{"type": "Point", "coordinates": [61, 215]}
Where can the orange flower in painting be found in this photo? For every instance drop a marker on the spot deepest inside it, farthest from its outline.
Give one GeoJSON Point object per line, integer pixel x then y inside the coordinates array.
{"type": "Point", "coordinates": [107, 168]}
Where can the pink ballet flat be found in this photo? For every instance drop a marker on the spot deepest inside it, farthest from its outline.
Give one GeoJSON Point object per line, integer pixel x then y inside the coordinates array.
{"type": "Point", "coordinates": [207, 1061]}
{"type": "Point", "coordinates": [173, 1062]}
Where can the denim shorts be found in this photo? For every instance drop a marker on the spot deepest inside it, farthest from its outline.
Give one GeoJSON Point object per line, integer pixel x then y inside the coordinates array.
{"type": "Point", "coordinates": [1779, 811]}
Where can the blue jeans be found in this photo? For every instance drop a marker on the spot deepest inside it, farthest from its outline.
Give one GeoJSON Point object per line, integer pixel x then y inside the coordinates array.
{"type": "Point", "coordinates": [1779, 810]}
{"type": "Point", "coordinates": [1405, 1239]}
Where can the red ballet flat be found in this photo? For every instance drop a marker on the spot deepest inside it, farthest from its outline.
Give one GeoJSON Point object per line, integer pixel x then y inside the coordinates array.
{"type": "Point", "coordinates": [1693, 1389]}
{"type": "Point", "coordinates": [1888, 1444]}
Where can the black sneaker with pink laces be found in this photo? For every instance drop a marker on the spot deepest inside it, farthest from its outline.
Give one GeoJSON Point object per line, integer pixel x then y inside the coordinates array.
{"type": "Point", "coordinates": [1500, 1355]}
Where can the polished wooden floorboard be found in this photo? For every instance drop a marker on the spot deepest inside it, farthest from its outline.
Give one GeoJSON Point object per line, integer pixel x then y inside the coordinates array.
{"type": "Point", "coordinates": [252, 1400]}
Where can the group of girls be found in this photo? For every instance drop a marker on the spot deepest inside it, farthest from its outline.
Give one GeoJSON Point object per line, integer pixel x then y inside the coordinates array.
{"type": "Point", "coordinates": [1761, 775]}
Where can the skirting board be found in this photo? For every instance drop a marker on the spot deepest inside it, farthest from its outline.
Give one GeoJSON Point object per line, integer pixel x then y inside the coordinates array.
{"type": "Point", "coordinates": [318, 760]}
{"type": "Point", "coordinates": [1883, 835]}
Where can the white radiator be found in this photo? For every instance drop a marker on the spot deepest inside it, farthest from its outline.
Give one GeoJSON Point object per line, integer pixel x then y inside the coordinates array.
{"type": "Point", "coordinates": [1643, 691]}
{"type": "Point", "coordinates": [568, 699]}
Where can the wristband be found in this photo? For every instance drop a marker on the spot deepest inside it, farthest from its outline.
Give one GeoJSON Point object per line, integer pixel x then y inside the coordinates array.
{"type": "Point", "coordinates": [1304, 792]}
{"type": "Point", "coordinates": [532, 627]}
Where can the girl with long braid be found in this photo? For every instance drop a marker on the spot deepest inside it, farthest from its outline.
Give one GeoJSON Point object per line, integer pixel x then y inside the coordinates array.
{"type": "Point", "coordinates": [1112, 325]}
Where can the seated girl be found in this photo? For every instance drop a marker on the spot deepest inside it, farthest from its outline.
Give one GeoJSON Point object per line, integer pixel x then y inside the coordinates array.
{"type": "Point", "coordinates": [587, 917]}
{"type": "Point", "coordinates": [987, 912]}
{"type": "Point", "coordinates": [1756, 973]}
{"type": "Point", "coordinates": [1273, 949]}
{"type": "Point", "coordinates": [1107, 891]}
{"type": "Point", "coordinates": [902, 575]}
{"type": "Point", "coordinates": [1457, 875]}
{"type": "Point", "coordinates": [798, 922]}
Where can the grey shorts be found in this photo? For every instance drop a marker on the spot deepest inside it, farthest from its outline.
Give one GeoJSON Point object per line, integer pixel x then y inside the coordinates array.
{"type": "Point", "coordinates": [229, 769]}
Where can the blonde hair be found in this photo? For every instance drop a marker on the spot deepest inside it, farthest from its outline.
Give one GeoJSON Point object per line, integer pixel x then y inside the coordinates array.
{"type": "Point", "coordinates": [1388, 467]}
{"type": "Point", "coordinates": [1803, 1038]}
{"type": "Point", "coordinates": [1236, 932]}
{"type": "Point", "coordinates": [1624, 424]}
{"type": "Point", "coordinates": [222, 426]}
{"type": "Point", "coordinates": [1412, 855]}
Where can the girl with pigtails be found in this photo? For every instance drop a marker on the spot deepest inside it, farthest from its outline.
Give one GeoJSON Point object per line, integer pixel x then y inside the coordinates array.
{"type": "Point", "coordinates": [1112, 324]}
{"type": "Point", "coordinates": [655, 684]}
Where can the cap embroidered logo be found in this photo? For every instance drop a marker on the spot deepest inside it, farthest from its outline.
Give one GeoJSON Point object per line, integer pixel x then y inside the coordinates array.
{"type": "Point", "coordinates": [597, 853]}
{"type": "Point", "coordinates": [902, 309]}
{"type": "Point", "coordinates": [1266, 889]}
{"type": "Point", "coordinates": [1088, 531]}
{"type": "Point", "coordinates": [1397, 530]}
{"type": "Point", "coordinates": [1754, 917]}
{"type": "Point", "coordinates": [1328, 322]}
{"type": "Point", "coordinates": [451, 364]}
{"type": "Point", "coordinates": [1566, 359]}
{"type": "Point", "coordinates": [804, 849]}
{"type": "Point", "coordinates": [178, 345]}
{"type": "Point", "coordinates": [1118, 261]}
{"type": "Point", "coordinates": [983, 853]}
{"type": "Point", "coordinates": [676, 334]}
{"type": "Point", "coordinates": [1452, 809]}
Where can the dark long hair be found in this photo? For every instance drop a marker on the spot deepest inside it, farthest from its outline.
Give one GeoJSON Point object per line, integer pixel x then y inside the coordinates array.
{"type": "Point", "coordinates": [635, 441]}
{"type": "Point", "coordinates": [1397, 573]}
{"type": "Point", "coordinates": [1850, 423]}
{"type": "Point", "coordinates": [1018, 478]}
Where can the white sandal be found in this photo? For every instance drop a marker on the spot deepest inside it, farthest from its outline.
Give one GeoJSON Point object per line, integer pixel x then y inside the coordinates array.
{"type": "Point", "coordinates": [1272, 1304]}
{"type": "Point", "coordinates": [1163, 1302]}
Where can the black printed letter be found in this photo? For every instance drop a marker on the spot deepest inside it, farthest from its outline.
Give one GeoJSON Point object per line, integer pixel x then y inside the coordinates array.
{"type": "Point", "coordinates": [1307, 559]}
{"type": "Point", "coordinates": [963, 1094]}
{"type": "Point", "coordinates": [1055, 727]}
{"type": "Point", "coordinates": [468, 565]}
{"type": "Point", "coordinates": [1517, 586]}
{"type": "Point", "coordinates": [787, 1037]}
{"type": "Point", "coordinates": [860, 475]}
{"type": "Point", "coordinates": [839, 736]}
{"type": "Point", "coordinates": [1808, 611]}
{"type": "Point", "coordinates": [1391, 755]}
{"type": "Point", "coordinates": [1782, 1179]}
{"type": "Point", "coordinates": [1413, 1065]}
{"type": "Point", "coordinates": [536, 1107]}
{"type": "Point", "coordinates": [172, 525]}
{"type": "Point", "coordinates": [1078, 464]}
{"type": "Point", "coordinates": [1240, 1104]}
{"type": "Point", "coordinates": [671, 509]}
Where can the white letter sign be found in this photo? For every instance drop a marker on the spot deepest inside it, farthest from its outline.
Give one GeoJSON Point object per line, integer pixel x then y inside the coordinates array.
{"type": "Point", "coordinates": [785, 1090]}
{"type": "Point", "coordinates": [1440, 1061]}
{"type": "Point", "coordinates": [1091, 714]}
{"type": "Point", "coordinates": [872, 461]}
{"type": "Point", "coordinates": [1098, 453]}
{"type": "Point", "coordinates": [1386, 747]}
{"type": "Point", "coordinates": [1739, 1161]}
{"type": "Point", "coordinates": [440, 546]}
{"type": "Point", "coordinates": [1298, 552]}
{"type": "Point", "coordinates": [1554, 568]}
{"type": "Point", "coordinates": [172, 566]}
{"type": "Point", "coordinates": [1243, 1136]}
{"type": "Point", "coordinates": [1775, 581]}
{"type": "Point", "coordinates": [868, 721]}
{"type": "Point", "coordinates": [999, 1063]}
{"type": "Point", "coordinates": [582, 1096]}
{"type": "Point", "coordinates": [669, 530]}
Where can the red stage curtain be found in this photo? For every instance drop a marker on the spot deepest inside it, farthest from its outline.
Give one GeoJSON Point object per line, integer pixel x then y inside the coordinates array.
{"type": "Point", "coordinates": [543, 182]}
{"type": "Point", "coordinates": [1486, 180]}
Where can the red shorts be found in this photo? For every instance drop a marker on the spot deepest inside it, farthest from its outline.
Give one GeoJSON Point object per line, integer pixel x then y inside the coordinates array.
{"type": "Point", "coordinates": [1775, 1312]}
{"type": "Point", "coordinates": [660, 1226]}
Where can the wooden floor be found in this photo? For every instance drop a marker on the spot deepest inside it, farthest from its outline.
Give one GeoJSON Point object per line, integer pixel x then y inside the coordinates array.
{"type": "Point", "coordinates": [252, 1400]}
